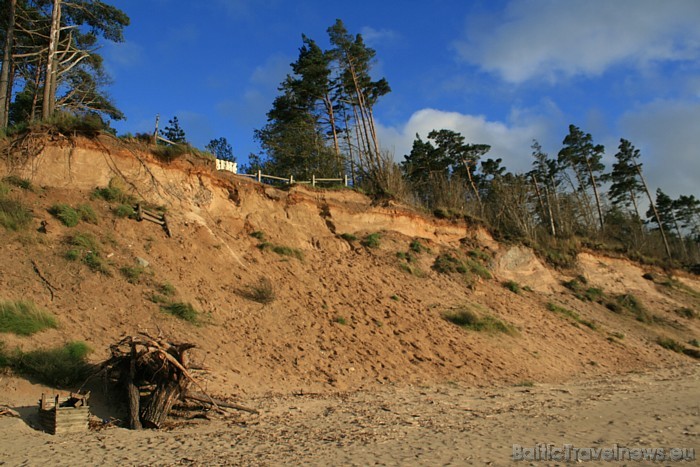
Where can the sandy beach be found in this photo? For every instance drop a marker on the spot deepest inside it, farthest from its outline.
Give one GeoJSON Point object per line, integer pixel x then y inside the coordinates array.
{"type": "Point", "coordinates": [447, 424]}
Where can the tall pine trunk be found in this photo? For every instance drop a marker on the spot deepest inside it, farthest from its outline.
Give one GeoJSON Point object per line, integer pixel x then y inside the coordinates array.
{"type": "Point", "coordinates": [656, 212]}
{"type": "Point", "coordinates": [49, 102]}
{"type": "Point", "coordinates": [5, 86]}
{"type": "Point", "coordinates": [596, 194]}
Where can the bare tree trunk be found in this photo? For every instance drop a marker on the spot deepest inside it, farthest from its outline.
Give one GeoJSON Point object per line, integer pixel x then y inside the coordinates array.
{"type": "Point", "coordinates": [473, 185]}
{"type": "Point", "coordinates": [331, 118]}
{"type": "Point", "coordinates": [164, 396]}
{"type": "Point", "coordinates": [656, 213]}
{"type": "Point", "coordinates": [595, 193]}
{"type": "Point", "coordinates": [133, 393]}
{"type": "Point", "coordinates": [48, 104]}
{"type": "Point", "coordinates": [636, 211]}
{"type": "Point", "coordinates": [362, 144]}
{"type": "Point", "coordinates": [5, 87]}
{"type": "Point", "coordinates": [35, 94]}
{"type": "Point", "coordinates": [547, 212]}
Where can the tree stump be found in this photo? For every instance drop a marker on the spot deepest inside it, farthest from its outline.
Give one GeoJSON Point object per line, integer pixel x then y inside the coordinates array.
{"type": "Point", "coordinates": [158, 406]}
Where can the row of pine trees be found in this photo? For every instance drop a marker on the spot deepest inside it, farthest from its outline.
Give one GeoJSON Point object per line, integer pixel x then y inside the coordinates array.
{"type": "Point", "coordinates": [322, 123]}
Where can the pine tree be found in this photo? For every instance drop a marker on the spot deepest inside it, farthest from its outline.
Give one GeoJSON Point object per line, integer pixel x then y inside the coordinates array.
{"type": "Point", "coordinates": [173, 132]}
{"type": "Point", "coordinates": [221, 149]}
{"type": "Point", "coordinates": [626, 186]}
{"type": "Point", "coordinates": [584, 159]}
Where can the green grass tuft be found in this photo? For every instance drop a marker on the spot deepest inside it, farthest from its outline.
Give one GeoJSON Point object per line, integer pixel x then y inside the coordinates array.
{"type": "Point", "coordinates": [167, 289]}
{"type": "Point", "coordinates": [372, 240]}
{"type": "Point", "coordinates": [258, 235]}
{"type": "Point", "coordinates": [87, 214]}
{"type": "Point", "coordinates": [348, 237]}
{"type": "Point", "coordinates": [66, 214]}
{"type": "Point", "coordinates": [124, 210]}
{"type": "Point", "coordinates": [685, 312]}
{"type": "Point", "coordinates": [512, 286]}
{"type": "Point", "coordinates": [24, 318]}
{"type": "Point", "coordinates": [282, 250]}
{"type": "Point", "coordinates": [113, 194]}
{"type": "Point", "coordinates": [571, 314]}
{"type": "Point", "coordinates": [670, 344]}
{"type": "Point", "coordinates": [416, 246]}
{"type": "Point", "coordinates": [85, 248]}
{"type": "Point", "coordinates": [132, 274]}
{"type": "Point", "coordinates": [261, 292]}
{"type": "Point", "coordinates": [14, 215]}
{"type": "Point", "coordinates": [19, 182]}
{"type": "Point", "coordinates": [468, 319]}
{"type": "Point", "coordinates": [340, 320]}
{"type": "Point", "coordinates": [60, 366]}
{"type": "Point", "coordinates": [183, 311]}
{"type": "Point", "coordinates": [447, 263]}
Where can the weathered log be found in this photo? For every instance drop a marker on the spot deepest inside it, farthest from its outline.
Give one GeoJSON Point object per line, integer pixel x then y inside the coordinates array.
{"type": "Point", "coordinates": [158, 406]}
{"type": "Point", "coordinates": [133, 394]}
{"type": "Point", "coordinates": [204, 398]}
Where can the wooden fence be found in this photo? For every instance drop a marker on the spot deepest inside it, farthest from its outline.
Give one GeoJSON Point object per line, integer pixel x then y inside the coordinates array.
{"type": "Point", "coordinates": [290, 180]}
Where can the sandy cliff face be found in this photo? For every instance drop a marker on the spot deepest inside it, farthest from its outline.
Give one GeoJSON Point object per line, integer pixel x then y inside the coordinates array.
{"type": "Point", "coordinates": [344, 315]}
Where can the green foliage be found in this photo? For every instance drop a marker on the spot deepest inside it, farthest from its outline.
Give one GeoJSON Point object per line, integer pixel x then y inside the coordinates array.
{"type": "Point", "coordinates": [282, 250]}
{"type": "Point", "coordinates": [570, 314]}
{"type": "Point", "coordinates": [170, 152]}
{"type": "Point", "coordinates": [258, 235]}
{"type": "Point", "coordinates": [24, 318]}
{"type": "Point", "coordinates": [512, 286]}
{"type": "Point", "coordinates": [685, 312]}
{"type": "Point", "coordinates": [19, 182]}
{"type": "Point", "coordinates": [183, 311]}
{"type": "Point", "coordinates": [694, 342]}
{"type": "Point", "coordinates": [87, 214]}
{"type": "Point", "coordinates": [173, 132]}
{"type": "Point", "coordinates": [416, 246]}
{"type": "Point", "coordinates": [372, 240]}
{"type": "Point", "coordinates": [114, 193]}
{"type": "Point", "coordinates": [340, 320]}
{"type": "Point", "coordinates": [123, 211]}
{"type": "Point", "coordinates": [586, 294]}
{"type": "Point", "coordinates": [631, 304]}
{"type": "Point", "coordinates": [84, 247]}
{"type": "Point", "coordinates": [167, 289]}
{"type": "Point", "coordinates": [261, 292]}
{"type": "Point", "coordinates": [60, 366]}
{"type": "Point", "coordinates": [66, 214]}
{"type": "Point", "coordinates": [221, 149]}
{"type": "Point", "coordinates": [670, 344]}
{"type": "Point", "coordinates": [468, 319]}
{"type": "Point", "coordinates": [447, 263]}
{"type": "Point", "coordinates": [479, 269]}
{"type": "Point", "coordinates": [14, 215]}
{"type": "Point", "coordinates": [89, 125]}
{"type": "Point", "coordinates": [132, 274]}
{"type": "Point", "coordinates": [348, 237]}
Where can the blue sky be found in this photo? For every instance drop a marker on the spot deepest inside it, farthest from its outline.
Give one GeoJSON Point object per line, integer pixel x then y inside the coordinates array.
{"type": "Point", "coordinates": [500, 72]}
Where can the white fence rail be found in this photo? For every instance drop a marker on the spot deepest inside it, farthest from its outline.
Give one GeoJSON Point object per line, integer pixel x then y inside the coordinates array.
{"type": "Point", "coordinates": [290, 180]}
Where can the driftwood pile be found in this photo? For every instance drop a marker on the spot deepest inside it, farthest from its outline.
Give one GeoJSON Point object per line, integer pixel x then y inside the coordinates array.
{"type": "Point", "coordinates": [154, 374]}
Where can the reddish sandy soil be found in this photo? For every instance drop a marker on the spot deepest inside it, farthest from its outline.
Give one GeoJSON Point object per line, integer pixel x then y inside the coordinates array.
{"type": "Point", "coordinates": [345, 317]}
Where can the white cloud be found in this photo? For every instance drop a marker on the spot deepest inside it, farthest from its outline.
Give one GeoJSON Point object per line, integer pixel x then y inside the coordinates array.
{"type": "Point", "coordinates": [666, 133]}
{"type": "Point", "coordinates": [551, 39]}
{"type": "Point", "coordinates": [374, 37]}
{"type": "Point", "coordinates": [509, 141]}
